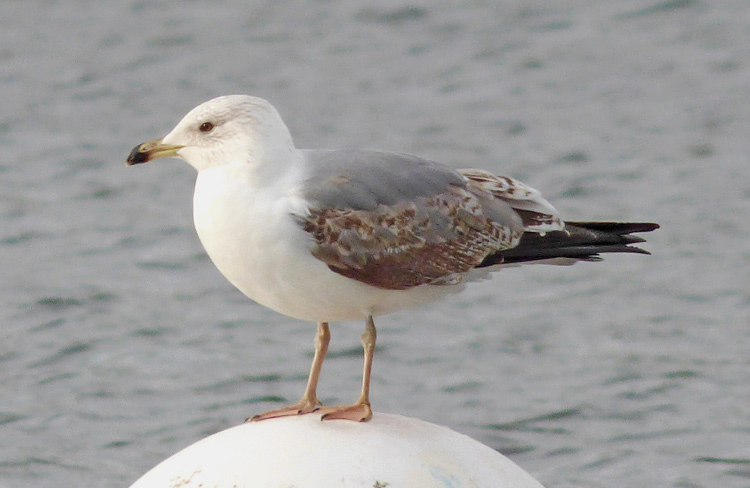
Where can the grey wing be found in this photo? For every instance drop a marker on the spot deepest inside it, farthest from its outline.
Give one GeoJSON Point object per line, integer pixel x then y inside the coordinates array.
{"type": "Point", "coordinates": [362, 180]}
{"type": "Point", "coordinates": [396, 221]}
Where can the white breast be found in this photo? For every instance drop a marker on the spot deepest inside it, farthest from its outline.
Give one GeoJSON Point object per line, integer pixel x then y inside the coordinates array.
{"type": "Point", "coordinates": [250, 234]}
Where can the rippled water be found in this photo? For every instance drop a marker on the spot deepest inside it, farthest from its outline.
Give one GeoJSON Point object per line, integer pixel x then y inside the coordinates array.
{"type": "Point", "coordinates": [122, 344]}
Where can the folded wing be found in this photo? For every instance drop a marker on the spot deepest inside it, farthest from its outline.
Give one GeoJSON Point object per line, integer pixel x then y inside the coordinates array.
{"type": "Point", "coordinates": [397, 221]}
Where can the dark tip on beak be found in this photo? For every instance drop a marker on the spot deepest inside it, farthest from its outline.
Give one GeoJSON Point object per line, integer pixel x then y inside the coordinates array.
{"type": "Point", "coordinates": [149, 150]}
{"type": "Point", "coordinates": [137, 156]}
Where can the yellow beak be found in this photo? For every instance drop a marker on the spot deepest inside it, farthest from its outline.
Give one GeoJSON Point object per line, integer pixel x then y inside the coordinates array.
{"type": "Point", "coordinates": [149, 150]}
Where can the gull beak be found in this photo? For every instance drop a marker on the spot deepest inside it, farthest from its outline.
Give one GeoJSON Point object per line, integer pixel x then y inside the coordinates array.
{"type": "Point", "coordinates": [149, 150]}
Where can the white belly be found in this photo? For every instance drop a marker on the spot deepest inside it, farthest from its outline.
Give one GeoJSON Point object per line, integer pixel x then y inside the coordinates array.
{"type": "Point", "coordinates": [251, 236]}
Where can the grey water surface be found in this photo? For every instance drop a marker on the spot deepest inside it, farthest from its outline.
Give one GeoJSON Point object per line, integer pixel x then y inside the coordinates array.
{"type": "Point", "coordinates": [121, 344]}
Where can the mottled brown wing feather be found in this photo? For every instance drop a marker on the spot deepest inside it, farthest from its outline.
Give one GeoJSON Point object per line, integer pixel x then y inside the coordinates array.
{"type": "Point", "coordinates": [430, 240]}
{"type": "Point", "coordinates": [538, 214]}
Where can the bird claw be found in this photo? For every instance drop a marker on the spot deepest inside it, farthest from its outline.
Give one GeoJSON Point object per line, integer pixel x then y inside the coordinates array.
{"type": "Point", "coordinates": [359, 412]}
{"type": "Point", "coordinates": [302, 408]}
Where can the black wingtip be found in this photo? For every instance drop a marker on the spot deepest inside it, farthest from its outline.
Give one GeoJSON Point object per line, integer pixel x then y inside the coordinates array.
{"type": "Point", "coordinates": [617, 228]}
{"type": "Point", "coordinates": [584, 241]}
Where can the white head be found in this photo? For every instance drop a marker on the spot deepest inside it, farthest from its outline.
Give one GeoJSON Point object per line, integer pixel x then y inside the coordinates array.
{"type": "Point", "coordinates": [233, 129]}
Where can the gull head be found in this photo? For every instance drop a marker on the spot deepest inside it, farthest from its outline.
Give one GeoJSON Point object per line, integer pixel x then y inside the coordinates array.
{"type": "Point", "coordinates": [228, 130]}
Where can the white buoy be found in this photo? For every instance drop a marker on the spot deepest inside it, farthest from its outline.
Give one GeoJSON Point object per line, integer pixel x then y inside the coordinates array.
{"type": "Point", "coordinates": [303, 452]}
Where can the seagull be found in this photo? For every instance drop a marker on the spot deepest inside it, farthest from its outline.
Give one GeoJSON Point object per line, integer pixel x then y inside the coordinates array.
{"type": "Point", "coordinates": [336, 235]}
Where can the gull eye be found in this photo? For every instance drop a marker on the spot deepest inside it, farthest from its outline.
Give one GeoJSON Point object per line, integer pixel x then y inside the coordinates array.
{"type": "Point", "coordinates": [206, 127]}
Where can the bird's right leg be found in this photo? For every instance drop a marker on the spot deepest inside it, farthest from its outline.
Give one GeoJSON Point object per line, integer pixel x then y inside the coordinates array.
{"type": "Point", "coordinates": [309, 401]}
{"type": "Point", "coordinates": [360, 411]}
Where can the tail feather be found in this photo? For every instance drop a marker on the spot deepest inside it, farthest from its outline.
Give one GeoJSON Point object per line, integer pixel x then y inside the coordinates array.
{"type": "Point", "coordinates": [582, 241]}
